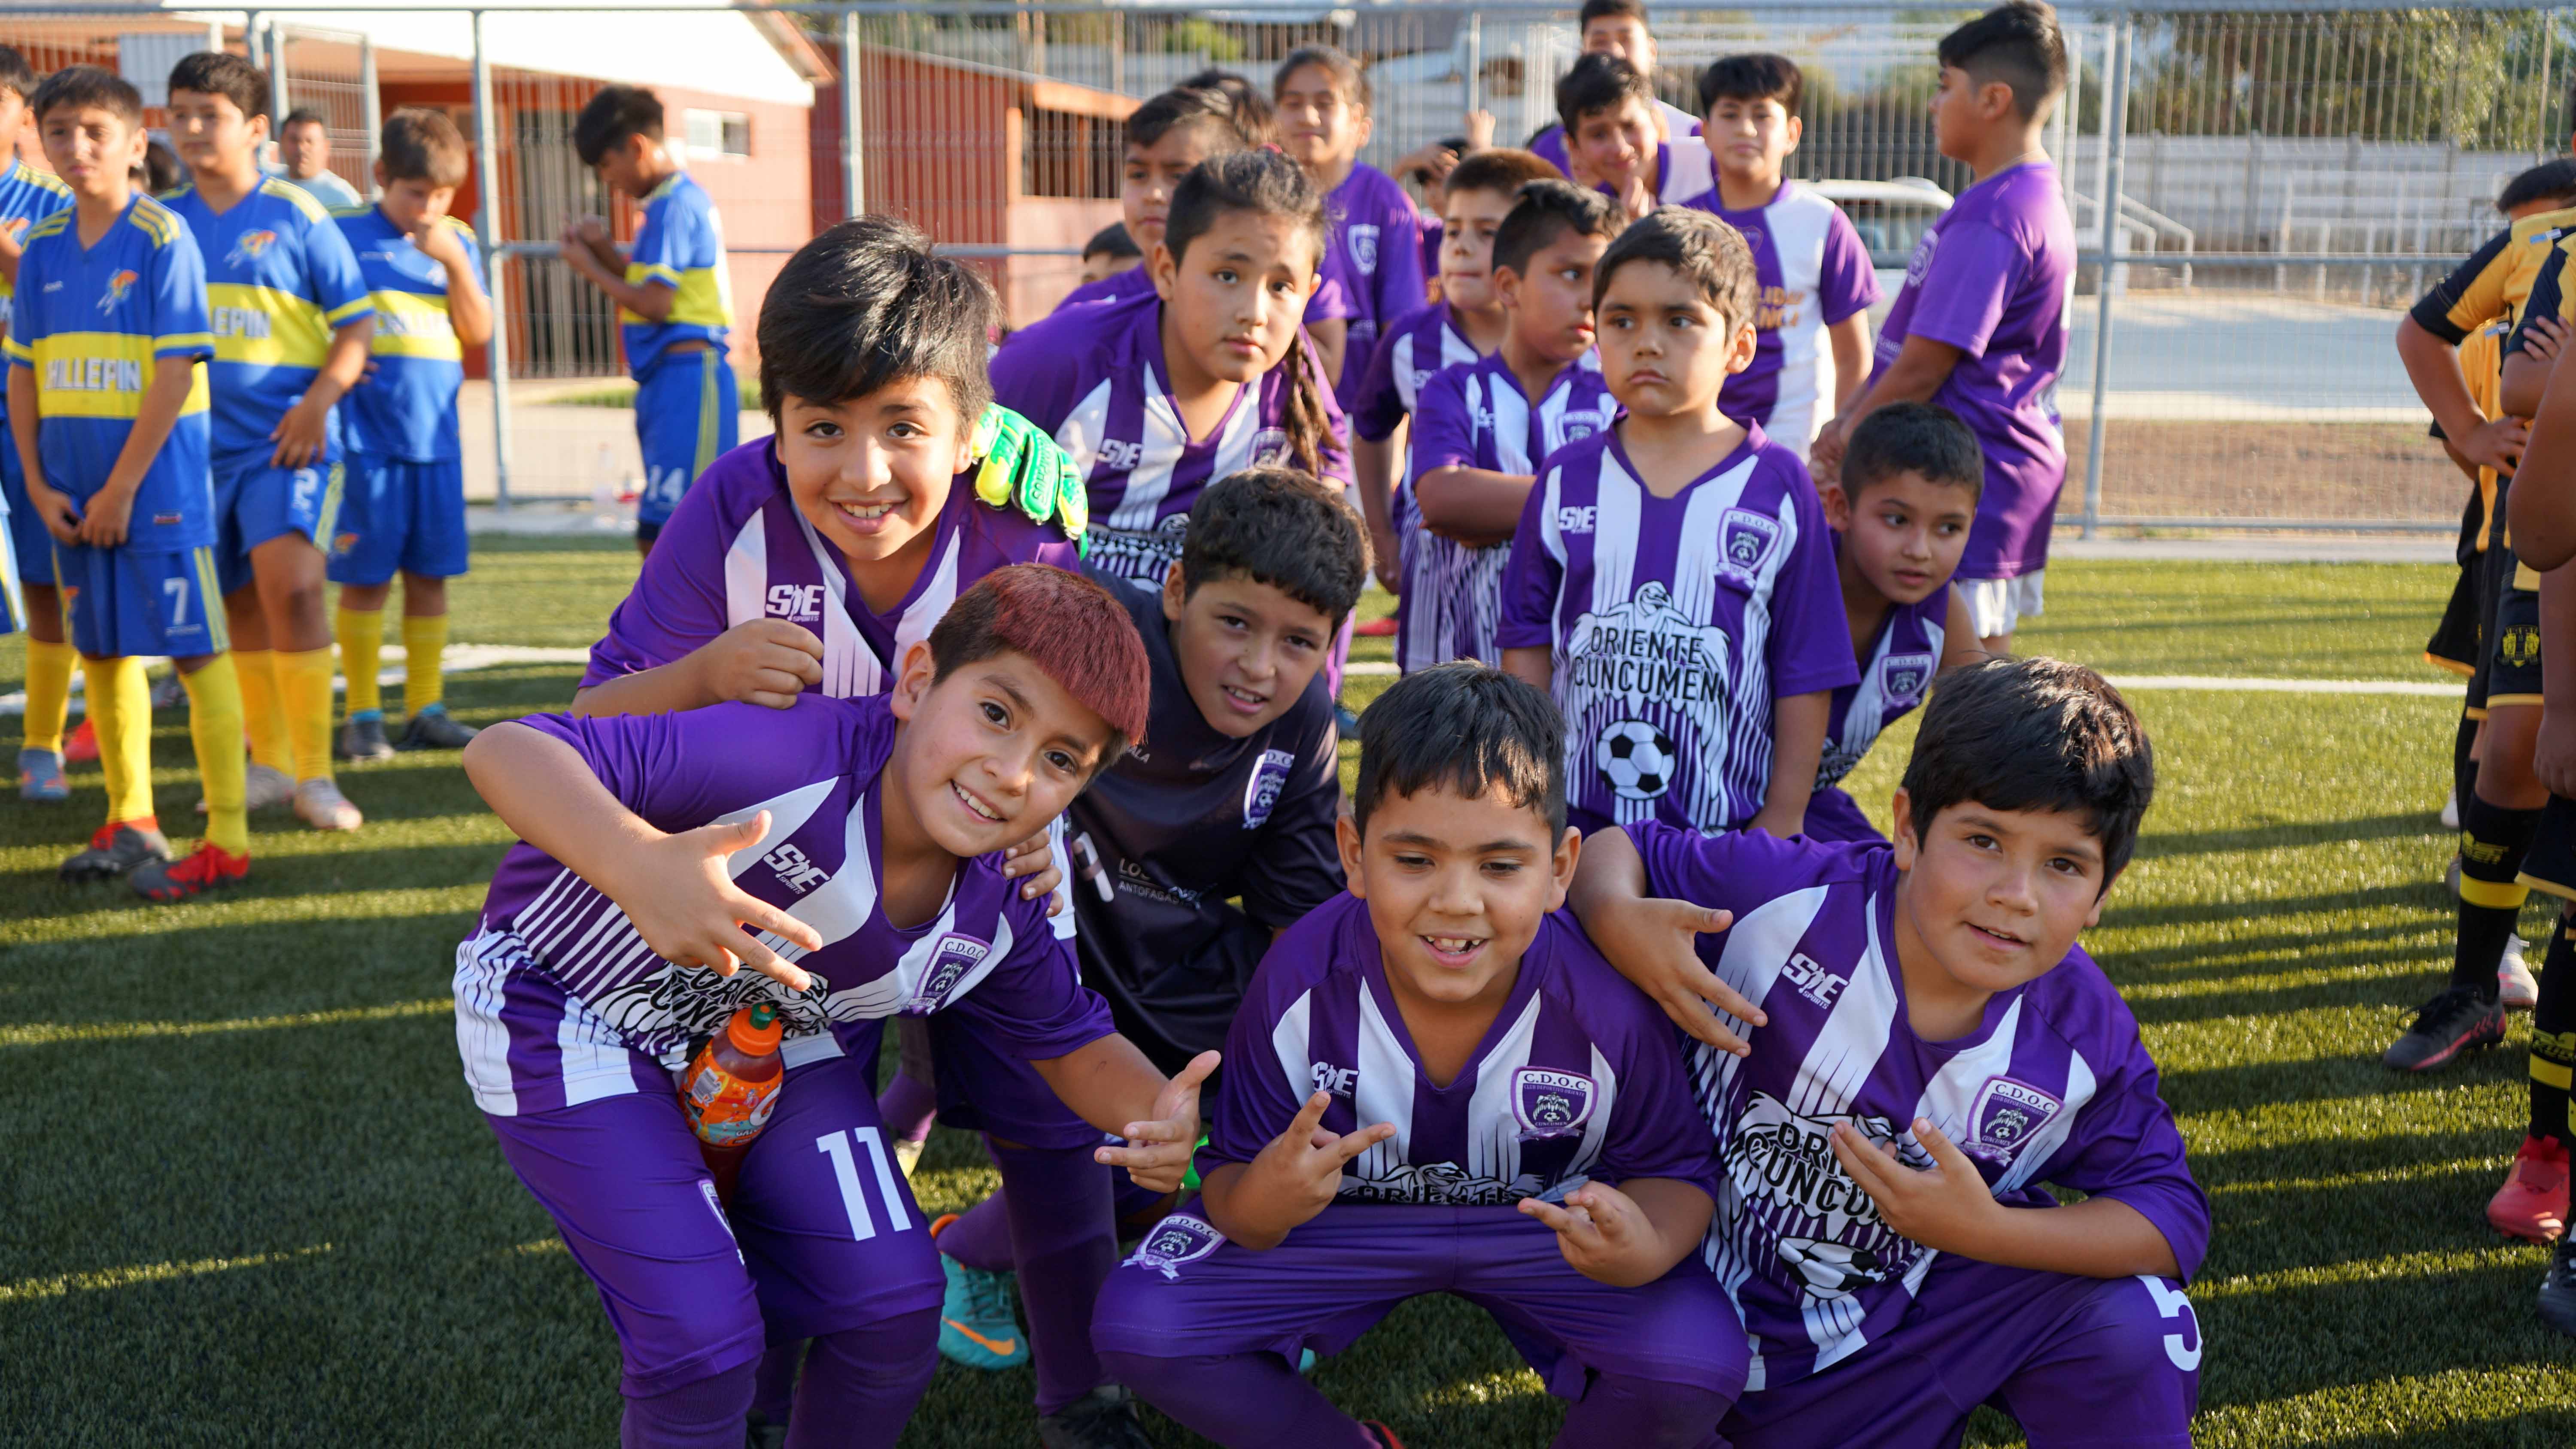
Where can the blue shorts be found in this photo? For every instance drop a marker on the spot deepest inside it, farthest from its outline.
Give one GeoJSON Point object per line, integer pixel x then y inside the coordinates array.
{"type": "Point", "coordinates": [125, 602]}
{"type": "Point", "coordinates": [686, 413]}
{"type": "Point", "coordinates": [399, 516]}
{"type": "Point", "coordinates": [255, 502]}
{"type": "Point", "coordinates": [31, 549]}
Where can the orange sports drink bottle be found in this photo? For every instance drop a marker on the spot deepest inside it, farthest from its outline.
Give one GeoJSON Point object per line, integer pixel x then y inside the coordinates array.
{"type": "Point", "coordinates": [730, 1089]}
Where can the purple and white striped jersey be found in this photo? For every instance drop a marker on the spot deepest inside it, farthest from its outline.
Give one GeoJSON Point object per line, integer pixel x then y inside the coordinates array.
{"type": "Point", "coordinates": [2053, 1087]}
{"type": "Point", "coordinates": [1327, 305]}
{"type": "Point", "coordinates": [1473, 415]}
{"type": "Point", "coordinates": [1376, 254]}
{"type": "Point", "coordinates": [736, 549]}
{"type": "Point", "coordinates": [1814, 273]}
{"type": "Point", "coordinates": [1579, 1075]}
{"type": "Point", "coordinates": [1903, 657]}
{"type": "Point", "coordinates": [1095, 378]}
{"type": "Point", "coordinates": [1675, 623]}
{"type": "Point", "coordinates": [1414, 347]}
{"type": "Point", "coordinates": [560, 1001]}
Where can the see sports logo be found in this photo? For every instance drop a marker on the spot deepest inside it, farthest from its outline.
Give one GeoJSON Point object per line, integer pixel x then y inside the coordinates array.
{"type": "Point", "coordinates": [249, 247]}
{"type": "Point", "coordinates": [117, 287]}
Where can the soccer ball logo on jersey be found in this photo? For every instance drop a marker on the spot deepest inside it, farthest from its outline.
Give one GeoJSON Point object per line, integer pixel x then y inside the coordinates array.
{"type": "Point", "coordinates": [1175, 1240]}
{"type": "Point", "coordinates": [1261, 794]}
{"type": "Point", "coordinates": [1363, 244]}
{"type": "Point", "coordinates": [249, 247]}
{"type": "Point", "coordinates": [114, 292]}
{"type": "Point", "coordinates": [1550, 1103]}
{"type": "Point", "coordinates": [1636, 758]}
{"type": "Point", "coordinates": [1796, 1200]}
{"type": "Point", "coordinates": [1746, 541]}
{"type": "Point", "coordinates": [957, 957]}
{"type": "Point", "coordinates": [1901, 677]}
{"type": "Point", "coordinates": [2008, 1113]}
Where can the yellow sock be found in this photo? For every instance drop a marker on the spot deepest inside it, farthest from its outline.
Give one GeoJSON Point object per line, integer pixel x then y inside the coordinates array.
{"type": "Point", "coordinates": [424, 641]}
{"type": "Point", "coordinates": [215, 725]}
{"type": "Point", "coordinates": [49, 692]}
{"type": "Point", "coordinates": [120, 707]}
{"type": "Point", "coordinates": [304, 687]}
{"type": "Point", "coordinates": [256, 670]}
{"type": "Point", "coordinates": [362, 653]}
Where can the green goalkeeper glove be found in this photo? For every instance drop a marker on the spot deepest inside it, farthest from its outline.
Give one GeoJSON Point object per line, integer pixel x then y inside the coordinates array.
{"type": "Point", "coordinates": [1024, 466]}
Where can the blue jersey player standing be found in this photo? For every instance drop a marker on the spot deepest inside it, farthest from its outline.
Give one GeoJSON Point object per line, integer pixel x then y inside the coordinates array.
{"type": "Point", "coordinates": [674, 299]}
{"type": "Point", "coordinates": [27, 596]}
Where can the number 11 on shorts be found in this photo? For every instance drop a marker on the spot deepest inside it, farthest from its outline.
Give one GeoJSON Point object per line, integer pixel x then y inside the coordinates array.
{"type": "Point", "coordinates": [845, 1170]}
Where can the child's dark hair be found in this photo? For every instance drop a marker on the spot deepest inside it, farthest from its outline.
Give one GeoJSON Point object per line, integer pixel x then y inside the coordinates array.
{"type": "Point", "coordinates": [87, 85]}
{"type": "Point", "coordinates": [1466, 727]}
{"type": "Point", "coordinates": [161, 168]}
{"type": "Point", "coordinates": [304, 116]}
{"type": "Point", "coordinates": [1610, 10]}
{"type": "Point", "coordinates": [1758, 76]}
{"type": "Point", "coordinates": [1913, 437]}
{"type": "Point", "coordinates": [222, 73]}
{"type": "Point", "coordinates": [2548, 181]}
{"type": "Point", "coordinates": [868, 303]}
{"type": "Point", "coordinates": [1112, 241]}
{"type": "Point", "coordinates": [1253, 117]}
{"type": "Point", "coordinates": [1279, 527]}
{"type": "Point", "coordinates": [1708, 253]}
{"type": "Point", "coordinates": [2034, 734]}
{"type": "Point", "coordinates": [1209, 106]}
{"type": "Point", "coordinates": [616, 113]}
{"type": "Point", "coordinates": [1546, 209]}
{"type": "Point", "coordinates": [1069, 627]}
{"type": "Point", "coordinates": [1267, 183]}
{"type": "Point", "coordinates": [1600, 82]}
{"type": "Point", "coordinates": [422, 144]}
{"type": "Point", "coordinates": [2018, 44]}
{"type": "Point", "coordinates": [1346, 73]}
{"type": "Point", "coordinates": [16, 76]}
{"type": "Point", "coordinates": [1502, 170]}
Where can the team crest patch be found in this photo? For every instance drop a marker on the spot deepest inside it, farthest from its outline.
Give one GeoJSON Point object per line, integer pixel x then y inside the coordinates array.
{"type": "Point", "coordinates": [2519, 646]}
{"type": "Point", "coordinates": [1920, 263]}
{"type": "Point", "coordinates": [1550, 1103]}
{"type": "Point", "coordinates": [957, 957]}
{"type": "Point", "coordinates": [1269, 450]}
{"type": "Point", "coordinates": [249, 247]}
{"type": "Point", "coordinates": [114, 292]}
{"type": "Point", "coordinates": [1363, 244]}
{"type": "Point", "coordinates": [1578, 429]}
{"type": "Point", "coordinates": [2008, 1113]}
{"type": "Point", "coordinates": [1175, 1240]}
{"type": "Point", "coordinates": [341, 543]}
{"type": "Point", "coordinates": [1747, 540]}
{"type": "Point", "coordinates": [1261, 795]}
{"type": "Point", "coordinates": [1901, 677]}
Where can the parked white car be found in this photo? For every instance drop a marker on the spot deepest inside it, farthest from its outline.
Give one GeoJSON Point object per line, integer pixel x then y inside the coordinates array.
{"type": "Point", "coordinates": [1890, 217]}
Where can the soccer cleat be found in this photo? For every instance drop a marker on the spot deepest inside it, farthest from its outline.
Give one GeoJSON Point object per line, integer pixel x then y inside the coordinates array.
{"type": "Point", "coordinates": [764, 1434]}
{"type": "Point", "coordinates": [169, 691]}
{"type": "Point", "coordinates": [264, 787]}
{"type": "Point", "coordinates": [1105, 1418]}
{"type": "Point", "coordinates": [1346, 720]}
{"type": "Point", "coordinates": [1383, 1435]}
{"type": "Point", "coordinates": [323, 807]}
{"type": "Point", "coordinates": [208, 866]}
{"type": "Point", "coordinates": [1376, 628]}
{"type": "Point", "coordinates": [435, 729]}
{"type": "Point", "coordinates": [976, 1325]}
{"type": "Point", "coordinates": [2558, 1289]}
{"type": "Point", "coordinates": [40, 776]}
{"type": "Point", "coordinates": [80, 747]}
{"type": "Point", "coordinates": [362, 740]}
{"type": "Point", "coordinates": [2515, 985]}
{"type": "Point", "coordinates": [116, 849]}
{"type": "Point", "coordinates": [2451, 812]}
{"type": "Point", "coordinates": [2460, 1018]}
{"type": "Point", "coordinates": [2532, 1204]}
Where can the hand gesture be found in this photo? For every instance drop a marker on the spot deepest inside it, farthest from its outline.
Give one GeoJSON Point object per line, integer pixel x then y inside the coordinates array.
{"type": "Point", "coordinates": [1296, 1176]}
{"type": "Point", "coordinates": [1035, 858]}
{"type": "Point", "coordinates": [1480, 130]}
{"type": "Point", "coordinates": [760, 661]}
{"type": "Point", "coordinates": [103, 521]}
{"type": "Point", "coordinates": [1637, 198]}
{"type": "Point", "coordinates": [684, 904]}
{"type": "Point", "coordinates": [1825, 455]}
{"type": "Point", "coordinates": [301, 435]}
{"type": "Point", "coordinates": [2496, 445]}
{"type": "Point", "coordinates": [438, 241]}
{"type": "Point", "coordinates": [55, 510]}
{"type": "Point", "coordinates": [1947, 1207]}
{"type": "Point", "coordinates": [2542, 338]}
{"type": "Point", "coordinates": [1024, 466]}
{"type": "Point", "coordinates": [1157, 1154]}
{"type": "Point", "coordinates": [1603, 1234]}
{"type": "Point", "coordinates": [1657, 949]}
{"type": "Point", "coordinates": [1435, 159]}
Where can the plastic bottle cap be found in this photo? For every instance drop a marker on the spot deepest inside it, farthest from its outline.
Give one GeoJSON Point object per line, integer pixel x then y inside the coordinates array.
{"type": "Point", "coordinates": [756, 1029]}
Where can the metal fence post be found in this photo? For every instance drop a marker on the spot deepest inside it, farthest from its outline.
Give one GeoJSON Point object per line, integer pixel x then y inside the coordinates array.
{"type": "Point", "coordinates": [1475, 63]}
{"type": "Point", "coordinates": [372, 111]}
{"type": "Point", "coordinates": [488, 217]}
{"type": "Point", "coordinates": [854, 166]}
{"type": "Point", "coordinates": [2115, 146]}
{"type": "Point", "coordinates": [278, 104]}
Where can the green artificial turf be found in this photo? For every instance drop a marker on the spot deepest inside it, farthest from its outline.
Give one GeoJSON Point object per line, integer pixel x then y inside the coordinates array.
{"type": "Point", "coordinates": [249, 1202]}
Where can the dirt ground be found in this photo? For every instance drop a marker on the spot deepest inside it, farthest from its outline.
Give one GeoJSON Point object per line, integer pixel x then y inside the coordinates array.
{"type": "Point", "coordinates": [2358, 472]}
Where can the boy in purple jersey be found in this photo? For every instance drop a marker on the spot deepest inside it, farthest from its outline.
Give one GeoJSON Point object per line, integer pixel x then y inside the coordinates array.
{"type": "Point", "coordinates": [1486, 427]}
{"type": "Point", "coordinates": [1927, 1048]}
{"type": "Point", "coordinates": [1671, 578]}
{"type": "Point", "coordinates": [1375, 251]}
{"type": "Point", "coordinates": [1110, 251]}
{"type": "Point", "coordinates": [1614, 27]}
{"type": "Point", "coordinates": [1980, 326]}
{"type": "Point", "coordinates": [1811, 352]}
{"type": "Point", "coordinates": [1437, 1086]}
{"type": "Point", "coordinates": [858, 842]}
{"type": "Point", "coordinates": [1465, 324]}
{"type": "Point", "coordinates": [1608, 107]}
{"type": "Point", "coordinates": [1900, 517]}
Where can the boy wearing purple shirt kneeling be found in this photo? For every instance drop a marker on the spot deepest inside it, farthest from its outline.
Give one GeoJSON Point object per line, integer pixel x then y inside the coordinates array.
{"type": "Point", "coordinates": [1927, 1048]}
{"type": "Point", "coordinates": [1437, 1086]}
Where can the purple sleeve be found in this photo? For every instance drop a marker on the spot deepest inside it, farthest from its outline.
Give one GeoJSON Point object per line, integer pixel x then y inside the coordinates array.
{"type": "Point", "coordinates": [1039, 383]}
{"type": "Point", "coordinates": [1377, 407]}
{"type": "Point", "coordinates": [1847, 285]}
{"type": "Point", "coordinates": [1253, 1104]}
{"type": "Point", "coordinates": [1549, 146]}
{"type": "Point", "coordinates": [1337, 427]}
{"type": "Point", "coordinates": [1443, 434]}
{"type": "Point", "coordinates": [680, 771]}
{"type": "Point", "coordinates": [2124, 1145]}
{"type": "Point", "coordinates": [678, 603]}
{"type": "Point", "coordinates": [1810, 645]}
{"type": "Point", "coordinates": [1656, 1129]}
{"type": "Point", "coordinates": [1530, 580]}
{"type": "Point", "coordinates": [1034, 1004]}
{"type": "Point", "coordinates": [1400, 289]}
{"type": "Point", "coordinates": [1332, 302]}
{"type": "Point", "coordinates": [1734, 872]}
{"type": "Point", "coordinates": [1297, 865]}
{"type": "Point", "coordinates": [1972, 276]}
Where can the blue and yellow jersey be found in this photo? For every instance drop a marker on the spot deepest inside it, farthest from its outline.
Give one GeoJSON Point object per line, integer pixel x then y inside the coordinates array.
{"type": "Point", "coordinates": [407, 409]}
{"type": "Point", "coordinates": [27, 196]}
{"type": "Point", "coordinates": [680, 246]}
{"type": "Point", "coordinates": [89, 322]}
{"type": "Point", "coordinates": [279, 280]}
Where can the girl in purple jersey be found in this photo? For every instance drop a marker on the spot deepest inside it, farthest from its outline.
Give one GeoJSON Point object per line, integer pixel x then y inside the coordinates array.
{"type": "Point", "coordinates": [1376, 250]}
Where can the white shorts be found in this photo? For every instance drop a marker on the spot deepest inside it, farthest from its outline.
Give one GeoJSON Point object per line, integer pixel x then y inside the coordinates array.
{"type": "Point", "coordinates": [1995, 606]}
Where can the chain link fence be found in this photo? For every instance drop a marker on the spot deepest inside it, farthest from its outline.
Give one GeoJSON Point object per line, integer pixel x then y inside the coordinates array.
{"type": "Point", "coordinates": [2282, 181]}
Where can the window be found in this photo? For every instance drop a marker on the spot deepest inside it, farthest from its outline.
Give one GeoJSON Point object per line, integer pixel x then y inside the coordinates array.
{"type": "Point", "coordinates": [719, 133]}
{"type": "Point", "coordinates": [1066, 154]}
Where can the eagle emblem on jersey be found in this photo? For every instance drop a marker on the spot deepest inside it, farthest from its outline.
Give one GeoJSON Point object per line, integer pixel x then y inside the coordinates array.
{"type": "Point", "coordinates": [1901, 677]}
{"type": "Point", "coordinates": [249, 247]}
{"type": "Point", "coordinates": [1261, 793]}
{"type": "Point", "coordinates": [2008, 1113]}
{"type": "Point", "coordinates": [115, 290]}
{"type": "Point", "coordinates": [1550, 1103]}
{"type": "Point", "coordinates": [1745, 543]}
{"type": "Point", "coordinates": [1789, 1194]}
{"type": "Point", "coordinates": [1175, 1240]}
{"type": "Point", "coordinates": [1363, 243]}
{"type": "Point", "coordinates": [955, 959]}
